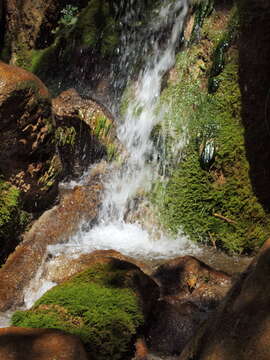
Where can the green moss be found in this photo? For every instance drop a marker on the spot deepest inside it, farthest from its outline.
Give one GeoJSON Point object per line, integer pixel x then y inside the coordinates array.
{"type": "Point", "coordinates": [202, 10]}
{"type": "Point", "coordinates": [212, 202]}
{"type": "Point", "coordinates": [9, 200]}
{"type": "Point", "coordinates": [219, 54]}
{"type": "Point", "coordinates": [97, 305]}
{"type": "Point", "coordinates": [13, 219]}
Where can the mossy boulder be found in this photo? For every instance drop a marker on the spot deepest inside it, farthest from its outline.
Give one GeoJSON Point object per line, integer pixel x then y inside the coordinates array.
{"type": "Point", "coordinates": [103, 305]}
{"type": "Point", "coordinates": [211, 199]}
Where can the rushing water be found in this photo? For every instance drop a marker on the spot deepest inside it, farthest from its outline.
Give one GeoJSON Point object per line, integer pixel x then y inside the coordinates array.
{"type": "Point", "coordinates": [138, 166]}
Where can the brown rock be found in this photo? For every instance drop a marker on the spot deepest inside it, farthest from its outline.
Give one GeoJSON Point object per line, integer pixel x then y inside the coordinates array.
{"type": "Point", "coordinates": [190, 279]}
{"type": "Point", "coordinates": [240, 328]}
{"type": "Point", "coordinates": [39, 344]}
{"type": "Point", "coordinates": [54, 226]}
{"type": "Point", "coordinates": [189, 289]}
{"type": "Point", "coordinates": [27, 154]}
{"type": "Point", "coordinates": [29, 23]}
{"type": "Point", "coordinates": [141, 350]}
{"type": "Point", "coordinates": [81, 117]}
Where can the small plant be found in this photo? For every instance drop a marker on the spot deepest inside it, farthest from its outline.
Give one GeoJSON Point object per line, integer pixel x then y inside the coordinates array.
{"type": "Point", "coordinates": [69, 15]}
{"type": "Point", "coordinates": [65, 136]}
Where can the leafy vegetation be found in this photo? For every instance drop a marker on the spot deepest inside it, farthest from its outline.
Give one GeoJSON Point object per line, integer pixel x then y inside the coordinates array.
{"type": "Point", "coordinates": [98, 305]}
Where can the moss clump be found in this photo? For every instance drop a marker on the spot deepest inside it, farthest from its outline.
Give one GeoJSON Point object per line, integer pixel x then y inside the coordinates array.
{"type": "Point", "coordinates": [97, 305]}
{"type": "Point", "coordinates": [12, 219]}
{"type": "Point", "coordinates": [211, 202]}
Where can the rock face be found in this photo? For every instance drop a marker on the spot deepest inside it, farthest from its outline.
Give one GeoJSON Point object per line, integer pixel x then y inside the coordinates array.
{"type": "Point", "coordinates": [254, 75]}
{"type": "Point", "coordinates": [189, 290]}
{"type": "Point", "coordinates": [53, 227]}
{"type": "Point", "coordinates": [240, 327]}
{"type": "Point", "coordinates": [85, 132]}
{"type": "Point", "coordinates": [27, 155]}
{"type": "Point", "coordinates": [37, 344]}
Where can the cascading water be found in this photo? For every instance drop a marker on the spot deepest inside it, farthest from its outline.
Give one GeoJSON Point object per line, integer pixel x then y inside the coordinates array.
{"type": "Point", "coordinates": [137, 167]}
{"type": "Point", "coordinates": [137, 172]}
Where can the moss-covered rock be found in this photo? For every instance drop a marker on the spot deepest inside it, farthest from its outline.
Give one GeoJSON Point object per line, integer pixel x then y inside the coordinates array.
{"type": "Point", "coordinates": [87, 29]}
{"type": "Point", "coordinates": [212, 198]}
{"type": "Point", "coordinates": [101, 305]}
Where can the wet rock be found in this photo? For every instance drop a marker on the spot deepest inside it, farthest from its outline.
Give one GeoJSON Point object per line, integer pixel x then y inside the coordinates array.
{"type": "Point", "coordinates": [30, 25]}
{"type": "Point", "coordinates": [65, 267]}
{"type": "Point", "coordinates": [36, 344]}
{"type": "Point", "coordinates": [84, 130]}
{"type": "Point", "coordinates": [28, 156]}
{"type": "Point", "coordinates": [240, 327]}
{"type": "Point", "coordinates": [54, 226]}
{"type": "Point", "coordinates": [190, 279]}
{"type": "Point", "coordinates": [189, 290]}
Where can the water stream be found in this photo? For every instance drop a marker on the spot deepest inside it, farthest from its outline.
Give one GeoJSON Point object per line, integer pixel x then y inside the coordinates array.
{"type": "Point", "coordinates": [137, 166]}
{"type": "Point", "coordinates": [135, 170]}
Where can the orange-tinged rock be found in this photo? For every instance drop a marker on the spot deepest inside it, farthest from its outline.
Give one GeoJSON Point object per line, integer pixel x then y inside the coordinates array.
{"type": "Point", "coordinates": [39, 344]}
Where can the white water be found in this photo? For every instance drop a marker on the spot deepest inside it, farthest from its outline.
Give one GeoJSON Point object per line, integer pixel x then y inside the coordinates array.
{"type": "Point", "coordinates": [137, 171]}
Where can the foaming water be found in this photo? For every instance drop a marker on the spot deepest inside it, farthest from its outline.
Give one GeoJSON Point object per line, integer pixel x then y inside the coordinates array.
{"type": "Point", "coordinates": [129, 239]}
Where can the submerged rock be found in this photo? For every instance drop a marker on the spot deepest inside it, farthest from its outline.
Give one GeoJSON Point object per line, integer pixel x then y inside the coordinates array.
{"type": "Point", "coordinates": [36, 344]}
{"type": "Point", "coordinates": [105, 305]}
{"type": "Point", "coordinates": [239, 328]}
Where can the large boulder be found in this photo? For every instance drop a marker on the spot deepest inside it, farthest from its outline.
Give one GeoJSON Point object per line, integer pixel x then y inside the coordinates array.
{"type": "Point", "coordinates": [105, 305]}
{"type": "Point", "coordinates": [240, 327]}
{"type": "Point", "coordinates": [39, 344]}
{"type": "Point", "coordinates": [28, 156]}
{"type": "Point", "coordinates": [84, 130]}
{"type": "Point", "coordinates": [190, 289]}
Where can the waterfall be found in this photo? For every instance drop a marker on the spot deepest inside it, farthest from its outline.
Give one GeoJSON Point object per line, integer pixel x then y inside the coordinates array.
{"type": "Point", "coordinates": [136, 167]}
